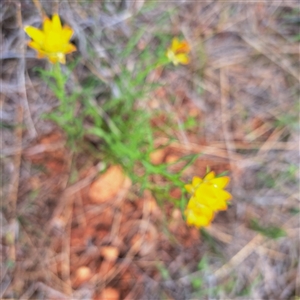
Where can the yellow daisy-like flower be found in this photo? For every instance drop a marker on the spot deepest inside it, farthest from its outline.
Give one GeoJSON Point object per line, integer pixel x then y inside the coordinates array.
{"type": "Point", "coordinates": [177, 53]}
{"type": "Point", "coordinates": [208, 197]}
{"type": "Point", "coordinates": [53, 41]}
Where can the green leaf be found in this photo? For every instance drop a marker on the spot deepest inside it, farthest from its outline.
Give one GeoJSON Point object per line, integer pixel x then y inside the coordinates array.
{"type": "Point", "coordinates": [272, 232]}
{"type": "Point", "coordinates": [203, 263]}
{"type": "Point", "coordinates": [197, 283]}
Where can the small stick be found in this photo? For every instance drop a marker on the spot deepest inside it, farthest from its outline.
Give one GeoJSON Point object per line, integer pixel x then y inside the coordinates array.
{"type": "Point", "coordinates": [13, 195]}
{"type": "Point", "coordinates": [39, 8]}
{"type": "Point", "coordinates": [254, 245]}
{"type": "Point", "coordinates": [272, 139]}
{"type": "Point", "coordinates": [224, 119]}
{"type": "Point", "coordinates": [21, 77]}
{"type": "Point", "coordinates": [276, 58]}
{"type": "Point", "coordinates": [218, 234]}
{"type": "Point", "coordinates": [55, 7]}
{"type": "Point", "coordinates": [239, 257]}
{"type": "Point", "coordinates": [17, 162]}
{"type": "Point", "coordinates": [66, 248]}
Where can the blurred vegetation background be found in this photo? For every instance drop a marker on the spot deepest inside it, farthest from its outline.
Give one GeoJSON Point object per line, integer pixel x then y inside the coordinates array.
{"type": "Point", "coordinates": [91, 192]}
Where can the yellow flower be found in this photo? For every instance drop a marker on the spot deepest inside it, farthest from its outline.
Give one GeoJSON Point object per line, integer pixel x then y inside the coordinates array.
{"type": "Point", "coordinates": [210, 191]}
{"type": "Point", "coordinates": [53, 41]}
{"type": "Point", "coordinates": [197, 214]}
{"type": "Point", "coordinates": [177, 53]}
{"type": "Point", "coordinates": [208, 197]}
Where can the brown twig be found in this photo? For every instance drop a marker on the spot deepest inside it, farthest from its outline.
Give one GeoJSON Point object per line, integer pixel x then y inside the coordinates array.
{"type": "Point", "coordinates": [13, 195]}
{"type": "Point", "coordinates": [17, 162]}
{"type": "Point", "coordinates": [239, 257]}
{"type": "Point", "coordinates": [39, 8]}
{"type": "Point", "coordinates": [21, 77]}
{"type": "Point", "coordinates": [225, 117]}
{"type": "Point", "coordinates": [65, 266]}
{"type": "Point", "coordinates": [276, 58]}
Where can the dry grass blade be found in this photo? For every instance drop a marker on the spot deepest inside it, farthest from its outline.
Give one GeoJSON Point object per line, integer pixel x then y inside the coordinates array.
{"type": "Point", "coordinates": [225, 117]}
{"type": "Point", "coordinates": [17, 163]}
{"type": "Point", "coordinates": [239, 257]}
{"type": "Point", "coordinates": [21, 77]}
{"type": "Point", "coordinates": [275, 57]}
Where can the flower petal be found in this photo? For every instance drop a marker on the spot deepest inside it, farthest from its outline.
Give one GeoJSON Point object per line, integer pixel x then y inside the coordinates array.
{"type": "Point", "coordinates": [205, 191]}
{"type": "Point", "coordinates": [183, 47]}
{"type": "Point", "coordinates": [56, 24]}
{"type": "Point", "coordinates": [207, 212]}
{"type": "Point", "coordinates": [47, 25]}
{"type": "Point", "coordinates": [199, 216]}
{"type": "Point", "coordinates": [67, 33]}
{"type": "Point", "coordinates": [40, 54]}
{"type": "Point", "coordinates": [196, 181]}
{"type": "Point", "coordinates": [53, 59]}
{"type": "Point", "coordinates": [34, 45]}
{"type": "Point", "coordinates": [220, 182]}
{"type": "Point", "coordinates": [222, 195]}
{"type": "Point", "coordinates": [182, 58]}
{"type": "Point", "coordinates": [209, 196]}
{"type": "Point", "coordinates": [209, 176]}
{"type": "Point", "coordinates": [36, 34]}
{"type": "Point", "coordinates": [175, 44]}
{"type": "Point", "coordinates": [70, 48]}
{"type": "Point", "coordinates": [189, 188]}
{"type": "Point", "coordinates": [220, 205]}
{"type": "Point", "coordinates": [197, 220]}
{"type": "Point", "coordinates": [61, 58]}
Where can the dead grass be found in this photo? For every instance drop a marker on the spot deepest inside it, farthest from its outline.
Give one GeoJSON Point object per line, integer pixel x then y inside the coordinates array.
{"type": "Point", "coordinates": [242, 88]}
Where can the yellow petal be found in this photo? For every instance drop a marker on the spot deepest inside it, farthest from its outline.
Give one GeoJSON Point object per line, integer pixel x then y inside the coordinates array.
{"type": "Point", "coordinates": [171, 56]}
{"type": "Point", "coordinates": [182, 58]}
{"type": "Point", "coordinates": [203, 222]}
{"type": "Point", "coordinates": [220, 205]}
{"type": "Point", "coordinates": [36, 34]}
{"type": "Point", "coordinates": [193, 204]}
{"type": "Point", "coordinates": [67, 33]}
{"type": "Point", "coordinates": [196, 181]}
{"type": "Point", "coordinates": [40, 54]}
{"type": "Point", "coordinates": [47, 25]}
{"type": "Point", "coordinates": [205, 191]}
{"type": "Point", "coordinates": [199, 207]}
{"type": "Point", "coordinates": [214, 204]}
{"type": "Point", "coordinates": [53, 59]}
{"type": "Point", "coordinates": [189, 188]}
{"type": "Point", "coordinates": [34, 45]}
{"type": "Point", "coordinates": [175, 44]}
{"type": "Point", "coordinates": [220, 182]}
{"type": "Point", "coordinates": [209, 176]}
{"type": "Point", "coordinates": [222, 195]}
{"type": "Point", "coordinates": [207, 211]}
{"type": "Point", "coordinates": [198, 220]}
{"type": "Point", "coordinates": [183, 47]}
{"type": "Point", "coordinates": [199, 217]}
{"type": "Point", "coordinates": [70, 48]}
{"type": "Point", "coordinates": [212, 197]}
{"type": "Point", "coordinates": [56, 24]}
{"type": "Point", "coordinates": [61, 58]}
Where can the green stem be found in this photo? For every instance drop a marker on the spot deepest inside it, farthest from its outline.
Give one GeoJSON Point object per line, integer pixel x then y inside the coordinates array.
{"type": "Point", "coordinates": [59, 77]}
{"type": "Point", "coordinates": [60, 84]}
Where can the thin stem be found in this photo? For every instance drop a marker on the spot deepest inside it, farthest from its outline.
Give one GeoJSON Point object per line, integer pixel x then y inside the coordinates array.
{"type": "Point", "coordinates": [60, 84]}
